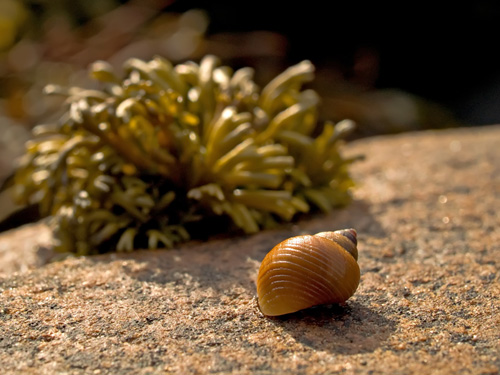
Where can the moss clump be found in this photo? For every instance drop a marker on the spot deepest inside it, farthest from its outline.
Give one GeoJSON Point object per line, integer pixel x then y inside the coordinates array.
{"type": "Point", "coordinates": [141, 160]}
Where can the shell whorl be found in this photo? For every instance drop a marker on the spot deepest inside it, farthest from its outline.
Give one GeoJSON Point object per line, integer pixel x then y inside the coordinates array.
{"type": "Point", "coordinates": [306, 271]}
{"type": "Point", "coordinates": [347, 238]}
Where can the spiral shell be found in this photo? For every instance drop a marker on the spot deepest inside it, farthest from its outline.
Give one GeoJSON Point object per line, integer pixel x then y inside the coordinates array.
{"type": "Point", "coordinates": [306, 271]}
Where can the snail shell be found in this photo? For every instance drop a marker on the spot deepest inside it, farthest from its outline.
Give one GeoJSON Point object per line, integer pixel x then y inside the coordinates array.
{"type": "Point", "coordinates": [306, 271]}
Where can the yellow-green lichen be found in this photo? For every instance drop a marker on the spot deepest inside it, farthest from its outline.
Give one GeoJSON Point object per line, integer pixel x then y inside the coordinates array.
{"type": "Point", "coordinates": [149, 160]}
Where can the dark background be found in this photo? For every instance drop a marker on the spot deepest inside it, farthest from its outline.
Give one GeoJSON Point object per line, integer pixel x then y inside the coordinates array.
{"type": "Point", "coordinates": [443, 53]}
{"type": "Point", "coordinates": [446, 53]}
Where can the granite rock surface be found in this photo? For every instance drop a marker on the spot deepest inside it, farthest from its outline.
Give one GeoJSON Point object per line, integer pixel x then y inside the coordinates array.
{"type": "Point", "coordinates": [427, 215]}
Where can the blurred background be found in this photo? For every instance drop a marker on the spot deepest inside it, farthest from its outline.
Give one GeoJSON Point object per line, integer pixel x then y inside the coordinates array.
{"type": "Point", "coordinates": [417, 65]}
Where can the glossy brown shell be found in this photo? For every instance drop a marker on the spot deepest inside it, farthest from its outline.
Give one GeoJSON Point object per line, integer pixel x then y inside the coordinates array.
{"type": "Point", "coordinates": [306, 271]}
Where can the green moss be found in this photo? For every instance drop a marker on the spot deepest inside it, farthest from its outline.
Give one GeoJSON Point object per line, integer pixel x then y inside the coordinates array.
{"type": "Point", "coordinates": [148, 160]}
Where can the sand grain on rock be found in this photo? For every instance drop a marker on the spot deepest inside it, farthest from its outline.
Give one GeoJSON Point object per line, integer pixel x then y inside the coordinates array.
{"type": "Point", "coordinates": [426, 212]}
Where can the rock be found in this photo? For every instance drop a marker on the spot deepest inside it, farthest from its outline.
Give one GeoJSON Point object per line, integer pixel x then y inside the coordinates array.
{"type": "Point", "coordinates": [25, 248]}
{"type": "Point", "coordinates": [426, 212]}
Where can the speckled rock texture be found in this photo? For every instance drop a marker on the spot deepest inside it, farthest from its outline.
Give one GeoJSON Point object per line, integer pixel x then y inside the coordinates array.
{"type": "Point", "coordinates": [427, 215]}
